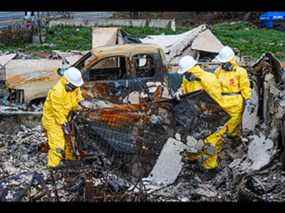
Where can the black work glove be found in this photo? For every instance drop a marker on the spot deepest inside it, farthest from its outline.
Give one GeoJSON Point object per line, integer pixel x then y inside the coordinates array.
{"type": "Point", "coordinates": [190, 77]}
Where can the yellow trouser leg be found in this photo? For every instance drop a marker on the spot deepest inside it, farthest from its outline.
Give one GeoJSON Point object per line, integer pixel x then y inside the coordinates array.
{"type": "Point", "coordinates": [214, 139]}
{"type": "Point", "coordinates": [211, 162]}
{"type": "Point", "coordinates": [56, 143]}
{"type": "Point", "coordinates": [216, 136]}
{"type": "Point", "coordinates": [234, 123]}
{"type": "Point", "coordinates": [235, 111]}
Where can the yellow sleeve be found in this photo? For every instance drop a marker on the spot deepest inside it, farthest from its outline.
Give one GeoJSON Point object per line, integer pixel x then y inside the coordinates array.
{"type": "Point", "coordinates": [217, 71]}
{"type": "Point", "coordinates": [184, 85]}
{"type": "Point", "coordinates": [58, 106]}
{"type": "Point", "coordinates": [197, 71]}
{"type": "Point", "coordinates": [244, 84]}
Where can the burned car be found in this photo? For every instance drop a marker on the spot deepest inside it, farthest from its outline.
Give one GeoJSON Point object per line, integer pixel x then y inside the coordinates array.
{"type": "Point", "coordinates": [117, 73]}
{"type": "Point", "coordinates": [133, 135]}
{"type": "Point", "coordinates": [111, 72]}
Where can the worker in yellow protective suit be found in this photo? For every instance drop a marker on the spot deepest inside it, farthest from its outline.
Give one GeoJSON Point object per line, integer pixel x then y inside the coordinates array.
{"type": "Point", "coordinates": [210, 84]}
{"type": "Point", "coordinates": [63, 98]}
{"type": "Point", "coordinates": [236, 89]}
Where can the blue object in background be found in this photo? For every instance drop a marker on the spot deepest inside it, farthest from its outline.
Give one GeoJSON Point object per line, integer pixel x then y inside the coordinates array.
{"type": "Point", "coordinates": [267, 19]}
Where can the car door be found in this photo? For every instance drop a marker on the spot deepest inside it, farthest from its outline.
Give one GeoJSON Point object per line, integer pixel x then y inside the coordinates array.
{"type": "Point", "coordinates": [108, 79]}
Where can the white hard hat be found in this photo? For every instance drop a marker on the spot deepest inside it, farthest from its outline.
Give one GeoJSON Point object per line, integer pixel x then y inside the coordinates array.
{"type": "Point", "coordinates": [225, 55]}
{"type": "Point", "coordinates": [186, 63]}
{"type": "Point", "coordinates": [73, 76]}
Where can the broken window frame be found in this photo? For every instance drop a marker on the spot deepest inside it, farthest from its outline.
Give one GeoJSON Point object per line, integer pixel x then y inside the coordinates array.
{"type": "Point", "coordinates": [158, 66]}
{"type": "Point", "coordinates": [136, 68]}
{"type": "Point", "coordinates": [80, 64]}
{"type": "Point", "coordinates": [88, 69]}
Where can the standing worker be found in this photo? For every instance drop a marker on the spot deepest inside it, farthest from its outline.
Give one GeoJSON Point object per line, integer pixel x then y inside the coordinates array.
{"type": "Point", "coordinates": [62, 99]}
{"type": "Point", "coordinates": [236, 89]}
{"type": "Point", "coordinates": [195, 78]}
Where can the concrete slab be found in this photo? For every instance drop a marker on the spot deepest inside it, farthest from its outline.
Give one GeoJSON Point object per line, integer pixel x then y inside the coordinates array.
{"type": "Point", "coordinates": [168, 165]}
{"type": "Point", "coordinates": [260, 152]}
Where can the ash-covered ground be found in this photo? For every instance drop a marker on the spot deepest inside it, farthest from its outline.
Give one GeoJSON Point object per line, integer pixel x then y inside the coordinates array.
{"type": "Point", "coordinates": [24, 176]}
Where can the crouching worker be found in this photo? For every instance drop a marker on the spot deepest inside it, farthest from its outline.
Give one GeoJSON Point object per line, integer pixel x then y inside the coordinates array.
{"type": "Point", "coordinates": [195, 78]}
{"type": "Point", "coordinates": [63, 98]}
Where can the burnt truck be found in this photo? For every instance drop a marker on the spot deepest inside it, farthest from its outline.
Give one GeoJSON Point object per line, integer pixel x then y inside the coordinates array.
{"type": "Point", "coordinates": [110, 72]}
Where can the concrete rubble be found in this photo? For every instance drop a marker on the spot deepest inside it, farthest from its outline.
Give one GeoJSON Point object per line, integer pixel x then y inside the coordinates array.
{"type": "Point", "coordinates": [260, 153]}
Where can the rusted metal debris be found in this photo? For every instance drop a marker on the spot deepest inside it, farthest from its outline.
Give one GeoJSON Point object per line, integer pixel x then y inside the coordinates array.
{"type": "Point", "coordinates": [139, 131]}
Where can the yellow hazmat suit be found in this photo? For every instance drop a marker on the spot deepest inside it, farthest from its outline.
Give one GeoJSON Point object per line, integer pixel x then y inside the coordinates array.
{"type": "Point", "coordinates": [211, 85]}
{"type": "Point", "coordinates": [57, 107]}
{"type": "Point", "coordinates": [224, 88]}
{"type": "Point", "coordinates": [235, 89]}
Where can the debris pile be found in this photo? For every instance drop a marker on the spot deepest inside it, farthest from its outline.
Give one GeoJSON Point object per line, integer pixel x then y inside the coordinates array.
{"type": "Point", "coordinates": [24, 176]}
{"type": "Point", "coordinates": [130, 148]}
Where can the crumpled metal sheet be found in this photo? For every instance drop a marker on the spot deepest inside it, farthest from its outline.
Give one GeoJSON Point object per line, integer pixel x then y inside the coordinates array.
{"type": "Point", "coordinates": [261, 151]}
{"type": "Point", "coordinates": [199, 116]}
{"type": "Point", "coordinates": [175, 46]}
{"type": "Point", "coordinates": [207, 42]}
